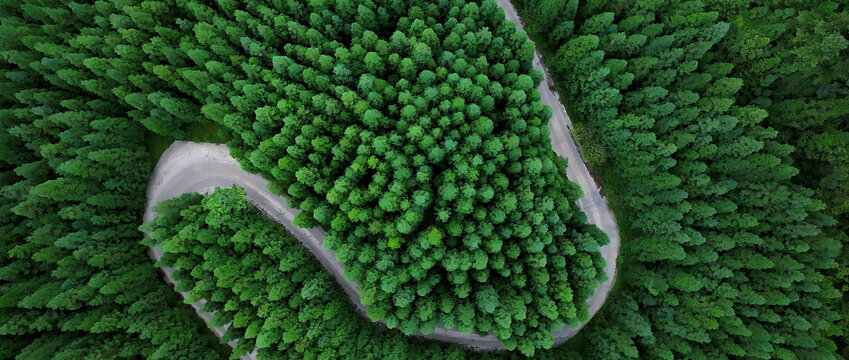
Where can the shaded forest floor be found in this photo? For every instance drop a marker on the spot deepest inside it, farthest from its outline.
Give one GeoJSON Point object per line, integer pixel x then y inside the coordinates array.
{"type": "Point", "coordinates": [199, 132]}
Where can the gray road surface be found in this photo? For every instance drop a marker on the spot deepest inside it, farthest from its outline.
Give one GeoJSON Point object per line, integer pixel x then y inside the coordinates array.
{"type": "Point", "coordinates": [200, 167]}
{"type": "Point", "coordinates": [592, 203]}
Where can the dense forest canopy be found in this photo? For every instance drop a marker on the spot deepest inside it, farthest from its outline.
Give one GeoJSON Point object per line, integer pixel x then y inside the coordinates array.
{"type": "Point", "coordinates": [427, 162]}
{"type": "Point", "coordinates": [732, 250]}
{"type": "Point", "coordinates": [74, 281]}
{"type": "Point", "coordinates": [265, 284]}
{"type": "Point", "coordinates": [413, 134]}
{"type": "Point", "coordinates": [794, 61]}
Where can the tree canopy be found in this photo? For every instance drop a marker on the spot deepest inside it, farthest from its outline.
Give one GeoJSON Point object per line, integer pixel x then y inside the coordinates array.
{"type": "Point", "coordinates": [730, 252]}
{"type": "Point", "coordinates": [414, 135]}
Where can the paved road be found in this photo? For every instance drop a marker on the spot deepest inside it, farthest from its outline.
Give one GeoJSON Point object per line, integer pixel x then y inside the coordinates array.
{"type": "Point", "coordinates": [200, 167]}
{"type": "Point", "coordinates": [592, 203]}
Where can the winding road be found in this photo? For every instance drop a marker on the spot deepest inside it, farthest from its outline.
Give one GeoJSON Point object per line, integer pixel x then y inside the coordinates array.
{"type": "Point", "coordinates": [200, 167]}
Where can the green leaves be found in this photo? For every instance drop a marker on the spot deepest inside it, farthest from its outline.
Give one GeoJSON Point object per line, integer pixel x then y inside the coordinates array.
{"type": "Point", "coordinates": [434, 237]}
{"type": "Point", "coordinates": [359, 114]}
{"type": "Point", "coordinates": [673, 142]}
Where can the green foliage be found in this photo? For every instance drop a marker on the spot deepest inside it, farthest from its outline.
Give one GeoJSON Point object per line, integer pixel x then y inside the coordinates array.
{"type": "Point", "coordinates": [430, 153]}
{"type": "Point", "coordinates": [270, 289]}
{"type": "Point", "coordinates": [74, 281]}
{"type": "Point", "coordinates": [729, 253]}
{"type": "Point", "coordinates": [792, 58]}
{"type": "Point", "coordinates": [413, 134]}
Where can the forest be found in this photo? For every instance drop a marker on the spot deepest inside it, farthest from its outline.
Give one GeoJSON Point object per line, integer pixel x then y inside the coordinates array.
{"type": "Point", "coordinates": [413, 134]}
{"type": "Point", "coordinates": [733, 115]}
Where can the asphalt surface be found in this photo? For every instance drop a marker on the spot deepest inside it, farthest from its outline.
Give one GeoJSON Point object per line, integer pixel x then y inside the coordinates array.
{"type": "Point", "coordinates": [591, 203]}
{"type": "Point", "coordinates": [200, 167]}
